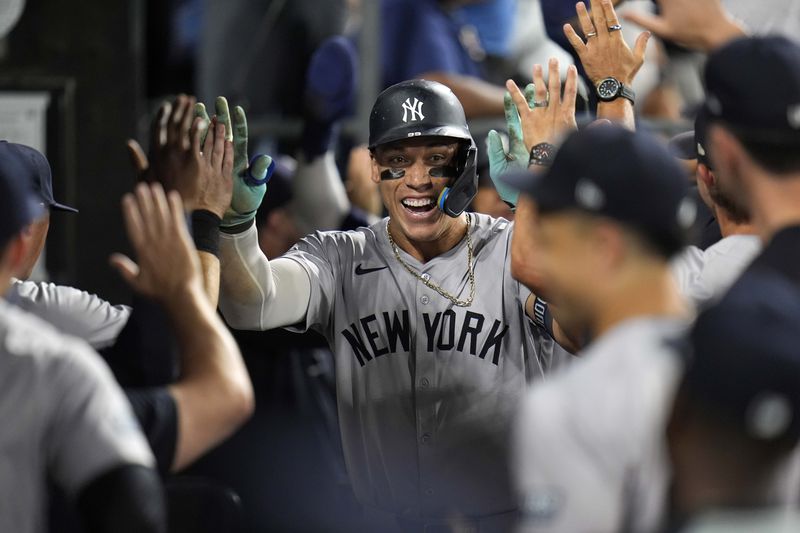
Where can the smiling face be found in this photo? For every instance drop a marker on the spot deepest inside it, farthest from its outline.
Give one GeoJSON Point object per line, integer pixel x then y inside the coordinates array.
{"type": "Point", "coordinates": [411, 199]}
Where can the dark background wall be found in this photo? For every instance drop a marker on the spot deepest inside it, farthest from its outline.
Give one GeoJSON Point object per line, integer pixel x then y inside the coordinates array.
{"type": "Point", "coordinates": [96, 48]}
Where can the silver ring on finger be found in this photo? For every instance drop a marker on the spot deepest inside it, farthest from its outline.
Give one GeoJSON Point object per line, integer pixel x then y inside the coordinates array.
{"type": "Point", "coordinates": [615, 27]}
{"type": "Point", "coordinates": [591, 34]}
{"type": "Point", "coordinates": [543, 103]}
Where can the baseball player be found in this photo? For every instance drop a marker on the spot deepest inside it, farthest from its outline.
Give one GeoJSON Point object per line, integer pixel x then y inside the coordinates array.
{"type": "Point", "coordinates": [611, 211]}
{"type": "Point", "coordinates": [432, 345]}
{"type": "Point", "coordinates": [66, 419]}
{"type": "Point", "coordinates": [705, 274]}
{"type": "Point", "coordinates": [71, 310]}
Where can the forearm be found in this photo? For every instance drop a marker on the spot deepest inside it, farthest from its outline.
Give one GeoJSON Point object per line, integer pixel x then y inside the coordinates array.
{"type": "Point", "coordinates": [214, 394]}
{"type": "Point", "coordinates": [523, 245]}
{"type": "Point", "coordinates": [209, 263]}
{"type": "Point", "coordinates": [479, 98]}
{"type": "Point", "coordinates": [619, 111]}
{"type": "Point", "coordinates": [320, 199]}
{"type": "Point", "coordinates": [256, 293]}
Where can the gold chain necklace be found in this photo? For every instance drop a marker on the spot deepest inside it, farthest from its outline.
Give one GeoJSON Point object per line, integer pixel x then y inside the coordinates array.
{"type": "Point", "coordinates": [426, 279]}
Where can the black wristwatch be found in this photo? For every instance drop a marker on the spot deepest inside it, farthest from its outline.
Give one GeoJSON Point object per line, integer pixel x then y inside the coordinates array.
{"type": "Point", "coordinates": [609, 89]}
{"type": "Point", "coordinates": [542, 155]}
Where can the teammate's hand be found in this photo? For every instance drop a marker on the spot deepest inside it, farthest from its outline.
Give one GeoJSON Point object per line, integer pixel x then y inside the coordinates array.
{"type": "Point", "coordinates": [555, 117]}
{"type": "Point", "coordinates": [167, 263]}
{"type": "Point", "coordinates": [216, 164]}
{"type": "Point", "coordinates": [173, 160]}
{"type": "Point", "coordinates": [605, 53]}
{"type": "Point", "coordinates": [502, 162]}
{"type": "Point", "coordinates": [249, 177]}
{"type": "Point", "coordinates": [700, 24]}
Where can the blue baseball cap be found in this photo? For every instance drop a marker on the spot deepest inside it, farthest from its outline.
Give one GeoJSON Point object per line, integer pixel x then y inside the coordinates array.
{"type": "Point", "coordinates": [19, 203]}
{"type": "Point", "coordinates": [745, 363]}
{"type": "Point", "coordinates": [693, 144]}
{"type": "Point", "coordinates": [626, 176]}
{"type": "Point", "coordinates": [33, 167]}
{"type": "Point", "coordinates": [753, 86]}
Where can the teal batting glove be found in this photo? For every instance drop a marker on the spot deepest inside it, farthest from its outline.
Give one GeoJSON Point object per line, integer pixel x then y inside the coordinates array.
{"type": "Point", "coordinates": [250, 177]}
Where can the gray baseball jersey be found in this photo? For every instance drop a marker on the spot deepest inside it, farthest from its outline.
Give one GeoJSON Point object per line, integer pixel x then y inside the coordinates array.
{"type": "Point", "coordinates": [703, 275]}
{"type": "Point", "coordinates": [589, 452]}
{"type": "Point", "coordinates": [64, 418]}
{"type": "Point", "coordinates": [426, 390]}
{"type": "Point", "coordinates": [71, 311]}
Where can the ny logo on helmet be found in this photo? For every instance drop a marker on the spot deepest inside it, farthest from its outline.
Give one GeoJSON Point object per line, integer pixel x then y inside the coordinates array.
{"type": "Point", "coordinates": [415, 108]}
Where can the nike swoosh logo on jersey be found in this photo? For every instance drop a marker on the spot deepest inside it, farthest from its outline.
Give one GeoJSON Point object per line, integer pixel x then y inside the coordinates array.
{"type": "Point", "coordinates": [361, 271]}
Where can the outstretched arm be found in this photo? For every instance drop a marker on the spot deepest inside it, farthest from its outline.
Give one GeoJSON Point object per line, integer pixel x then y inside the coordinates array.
{"type": "Point", "coordinates": [213, 395]}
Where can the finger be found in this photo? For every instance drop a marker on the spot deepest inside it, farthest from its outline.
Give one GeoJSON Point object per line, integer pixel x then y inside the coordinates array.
{"type": "Point", "coordinates": [511, 112]}
{"type": "Point", "coordinates": [653, 23]}
{"type": "Point", "coordinates": [599, 19]}
{"type": "Point", "coordinates": [640, 47]}
{"type": "Point", "coordinates": [539, 84]}
{"type": "Point", "coordinates": [570, 89]}
{"type": "Point", "coordinates": [146, 210]}
{"type": "Point", "coordinates": [494, 145]}
{"type": "Point", "coordinates": [132, 217]}
{"type": "Point", "coordinates": [208, 143]}
{"type": "Point", "coordinates": [200, 111]}
{"type": "Point", "coordinates": [554, 81]}
{"type": "Point", "coordinates": [587, 26]}
{"type": "Point", "coordinates": [199, 127]}
{"type": "Point", "coordinates": [158, 131]}
{"type": "Point", "coordinates": [239, 134]}
{"type": "Point", "coordinates": [516, 95]}
{"type": "Point", "coordinates": [178, 110]}
{"type": "Point", "coordinates": [574, 39]}
{"type": "Point", "coordinates": [137, 156]}
{"type": "Point", "coordinates": [219, 146]}
{"type": "Point", "coordinates": [224, 116]}
{"type": "Point", "coordinates": [530, 95]}
{"type": "Point", "coordinates": [261, 169]}
{"type": "Point", "coordinates": [227, 161]}
{"type": "Point", "coordinates": [161, 208]}
{"type": "Point", "coordinates": [186, 123]}
{"type": "Point", "coordinates": [609, 13]}
{"type": "Point", "coordinates": [128, 270]}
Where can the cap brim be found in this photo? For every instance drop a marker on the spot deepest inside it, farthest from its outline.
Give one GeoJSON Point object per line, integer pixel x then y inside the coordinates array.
{"type": "Point", "coordinates": [683, 146]}
{"type": "Point", "coordinates": [55, 206]}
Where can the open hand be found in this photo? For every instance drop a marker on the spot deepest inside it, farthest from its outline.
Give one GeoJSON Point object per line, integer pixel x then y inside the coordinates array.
{"type": "Point", "coordinates": [167, 263]}
{"type": "Point", "coordinates": [553, 115]}
{"type": "Point", "coordinates": [605, 53]}
{"type": "Point", "coordinates": [516, 158]}
{"type": "Point", "coordinates": [699, 24]}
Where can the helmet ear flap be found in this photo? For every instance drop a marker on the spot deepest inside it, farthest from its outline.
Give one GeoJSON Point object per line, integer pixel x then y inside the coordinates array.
{"type": "Point", "coordinates": [455, 199]}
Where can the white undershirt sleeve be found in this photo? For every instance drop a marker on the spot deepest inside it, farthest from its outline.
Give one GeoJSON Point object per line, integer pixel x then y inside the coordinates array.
{"type": "Point", "coordinates": [258, 294]}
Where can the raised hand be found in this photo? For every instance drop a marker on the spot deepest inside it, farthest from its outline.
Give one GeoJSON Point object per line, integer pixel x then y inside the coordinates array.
{"type": "Point", "coordinates": [699, 24]}
{"type": "Point", "coordinates": [502, 162]}
{"type": "Point", "coordinates": [553, 116]}
{"type": "Point", "coordinates": [249, 177]}
{"type": "Point", "coordinates": [167, 263]}
{"type": "Point", "coordinates": [604, 53]}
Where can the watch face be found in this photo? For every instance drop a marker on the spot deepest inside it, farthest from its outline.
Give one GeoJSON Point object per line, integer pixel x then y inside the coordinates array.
{"type": "Point", "coordinates": [608, 89]}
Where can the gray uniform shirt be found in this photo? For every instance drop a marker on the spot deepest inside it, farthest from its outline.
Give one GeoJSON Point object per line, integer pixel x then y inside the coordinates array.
{"type": "Point", "coordinates": [64, 417]}
{"type": "Point", "coordinates": [426, 390]}
{"type": "Point", "coordinates": [71, 311]}
{"type": "Point", "coordinates": [589, 453]}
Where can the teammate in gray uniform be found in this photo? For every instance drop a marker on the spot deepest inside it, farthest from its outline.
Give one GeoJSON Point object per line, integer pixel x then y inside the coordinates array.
{"type": "Point", "coordinates": [71, 310]}
{"type": "Point", "coordinates": [432, 345]}
{"type": "Point", "coordinates": [706, 274]}
{"type": "Point", "coordinates": [65, 418]}
{"type": "Point", "coordinates": [611, 211]}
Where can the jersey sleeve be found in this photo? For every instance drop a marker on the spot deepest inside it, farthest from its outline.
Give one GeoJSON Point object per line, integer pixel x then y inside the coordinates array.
{"type": "Point", "coordinates": [72, 311]}
{"type": "Point", "coordinates": [561, 487]}
{"type": "Point", "coordinates": [93, 427]}
{"type": "Point", "coordinates": [318, 255]}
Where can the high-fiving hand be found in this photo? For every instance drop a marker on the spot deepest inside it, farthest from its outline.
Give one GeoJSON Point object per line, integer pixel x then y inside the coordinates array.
{"type": "Point", "coordinates": [167, 263]}
{"type": "Point", "coordinates": [604, 53]}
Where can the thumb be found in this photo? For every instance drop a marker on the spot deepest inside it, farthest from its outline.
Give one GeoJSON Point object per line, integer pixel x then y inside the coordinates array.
{"type": "Point", "coordinates": [640, 47]}
{"type": "Point", "coordinates": [126, 268]}
{"type": "Point", "coordinates": [137, 156]}
{"type": "Point", "coordinates": [653, 23]}
{"type": "Point", "coordinates": [260, 170]}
